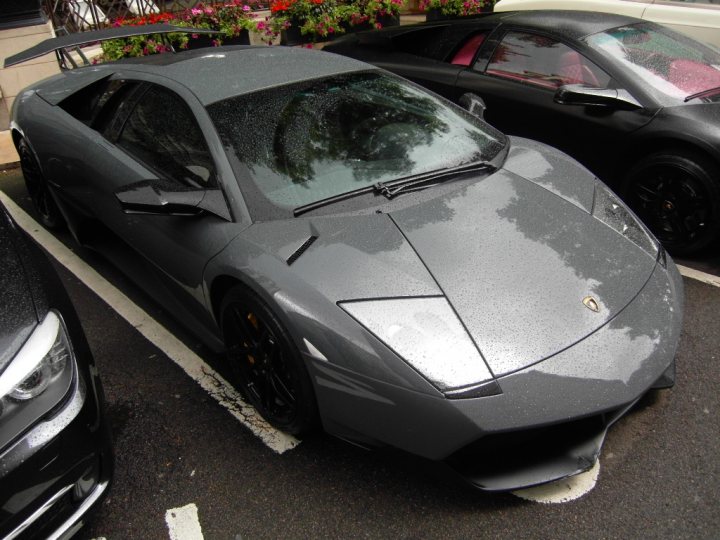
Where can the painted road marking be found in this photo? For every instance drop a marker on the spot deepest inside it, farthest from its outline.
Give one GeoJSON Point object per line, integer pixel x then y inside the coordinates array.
{"type": "Point", "coordinates": [562, 491]}
{"type": "Point", "coordinates": [183, 523]}
{"type": "Point", "coordinates": [157, 334]}
{"type": "Point", "coordinates": [700, 276]}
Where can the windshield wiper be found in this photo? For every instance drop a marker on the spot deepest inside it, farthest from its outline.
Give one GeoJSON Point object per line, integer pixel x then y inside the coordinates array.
{"type": "Point", "coordinates": [409, 183]}
{"type": "Point", "coordinates": [704, 93]}
{"type": "Point", "coordinates": [391, 189]}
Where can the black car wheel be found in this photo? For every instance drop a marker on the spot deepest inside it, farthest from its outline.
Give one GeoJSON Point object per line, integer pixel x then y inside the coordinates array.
{"type": "Point", "coordinates": [38, 189]}
{"type": "Point", "coordinates": [677, 196]}
{"type": "Point", "coordinates": [268, 368]}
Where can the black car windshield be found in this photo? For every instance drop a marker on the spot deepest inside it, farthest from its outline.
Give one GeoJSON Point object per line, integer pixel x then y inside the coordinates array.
{"type": "Point", "coordinates": [306, 142]}
{"type": "Point", "coordinates": [671, 66]}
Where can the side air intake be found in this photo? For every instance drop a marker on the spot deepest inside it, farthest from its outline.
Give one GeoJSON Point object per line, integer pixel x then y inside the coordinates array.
{"type": "Point", "coordinates": [299, 251]}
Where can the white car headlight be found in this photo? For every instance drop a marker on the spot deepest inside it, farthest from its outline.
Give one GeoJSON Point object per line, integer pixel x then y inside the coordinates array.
{"type": "Point", "coordinates": [37, 378]}
{"type": "Point", "coordinates": [613, 213]}
{"type": "Point", "coordinates": [427, 334]}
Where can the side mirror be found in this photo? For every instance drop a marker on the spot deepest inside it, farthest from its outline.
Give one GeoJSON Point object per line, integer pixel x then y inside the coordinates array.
{"type": "Point", "coordinates": [473, 103]}
{"type": "Point", "coordinates": [577, 94]}
{"type": "Point", "coordinates": [160, 198]}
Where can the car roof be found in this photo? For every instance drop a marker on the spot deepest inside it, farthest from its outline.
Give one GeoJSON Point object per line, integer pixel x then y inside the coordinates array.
{"type": "Point", "coordinates": [214, 74]}
{"type": "Point", "coordinates": [569, 24]}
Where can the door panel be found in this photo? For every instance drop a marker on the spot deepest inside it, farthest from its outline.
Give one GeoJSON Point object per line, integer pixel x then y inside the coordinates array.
{"type": "Point", "coordinates": [159, 140]}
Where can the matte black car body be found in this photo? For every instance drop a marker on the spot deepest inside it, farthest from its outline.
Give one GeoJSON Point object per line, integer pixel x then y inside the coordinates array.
{"type": "Point", "coordinates": [612, 138]}
{"type": "Point", "coordinates": [501, 258]}
{"type": "Point", "coordinates": [55, 468]}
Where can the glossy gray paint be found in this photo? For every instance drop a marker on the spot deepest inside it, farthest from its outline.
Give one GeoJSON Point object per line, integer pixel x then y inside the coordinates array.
{"type": "Point", "coordinates": [514, 252]}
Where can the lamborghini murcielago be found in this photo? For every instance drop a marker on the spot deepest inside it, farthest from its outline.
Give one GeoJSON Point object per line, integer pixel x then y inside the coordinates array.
{"type": "Point", "coordinates": [374, 259]}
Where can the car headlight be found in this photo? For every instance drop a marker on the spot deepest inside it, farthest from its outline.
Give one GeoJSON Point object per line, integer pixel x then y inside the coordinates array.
{"type": "Point", "coordinates": [37, 378]}
{"type": "Point", "coordinates": [608, 208]}
{"type": "Point", "coordinates": [426, 333]}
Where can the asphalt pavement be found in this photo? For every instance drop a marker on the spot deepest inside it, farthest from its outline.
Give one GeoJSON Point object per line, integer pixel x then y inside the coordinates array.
{"type": "Point", "coordinates": [176, 446]}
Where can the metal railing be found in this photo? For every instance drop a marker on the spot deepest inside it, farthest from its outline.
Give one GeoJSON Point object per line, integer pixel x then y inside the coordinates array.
{"type": "Point", "coordinates": [81, 15]}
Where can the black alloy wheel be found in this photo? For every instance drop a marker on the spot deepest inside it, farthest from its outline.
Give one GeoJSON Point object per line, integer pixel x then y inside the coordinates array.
{"type": "Point", "coordinates": [266, 364]}
{"type": "Point", "coordinates": [676, 194]}
{"type": "Point", "coordinates": [38, 189]}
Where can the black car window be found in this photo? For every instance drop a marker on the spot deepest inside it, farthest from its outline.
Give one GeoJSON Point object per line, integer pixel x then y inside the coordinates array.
{"type": "Point", "coordinates": [162, 133]}
{"type": "Point", "coordinates": [114, 104]}
{"type": "Point", "coordinates": [84, 104]}
{"type": "Point", "coordinates": [542, 61]}
{"type": "Point", "coordinates": [427, 42]}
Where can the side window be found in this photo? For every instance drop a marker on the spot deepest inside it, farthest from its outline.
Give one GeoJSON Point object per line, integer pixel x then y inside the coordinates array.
{"type": "Point", "coordinates": [163, 133]}
{"type": "Point", "coordinates": [90, 104]}
{"type": "Point", "coordinates": [113, 105]}
{"type": "Point", "coordinates": [544, 62]}
{"type": "Point", "coordinates": [465, 54]}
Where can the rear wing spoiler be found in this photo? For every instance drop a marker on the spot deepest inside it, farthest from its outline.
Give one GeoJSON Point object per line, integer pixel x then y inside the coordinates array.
{"type": "Point", "coordinates": [60, 43]}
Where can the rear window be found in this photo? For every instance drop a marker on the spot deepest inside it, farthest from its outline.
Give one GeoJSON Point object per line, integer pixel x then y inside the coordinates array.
{"type": "Point", "coordinates": [425, 42]}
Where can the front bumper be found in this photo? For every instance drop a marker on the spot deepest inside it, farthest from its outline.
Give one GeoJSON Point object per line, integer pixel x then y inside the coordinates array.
{"type": "Point", "coordinates": [587, 386]}
{"type": "Point", "coordinates": [57, 471]}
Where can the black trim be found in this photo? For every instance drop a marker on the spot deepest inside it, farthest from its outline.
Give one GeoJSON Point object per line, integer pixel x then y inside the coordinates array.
{"type": "Point", "coordinates": [302, 249]}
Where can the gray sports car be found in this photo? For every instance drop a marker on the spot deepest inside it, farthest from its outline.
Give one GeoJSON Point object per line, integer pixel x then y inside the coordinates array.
{"type": "Point", "coordinates": [373, 258]}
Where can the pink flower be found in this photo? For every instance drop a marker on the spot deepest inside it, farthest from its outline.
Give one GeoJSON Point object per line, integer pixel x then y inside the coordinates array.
{"type": "Point", "coordinates": [246, 8]}
{"type": "Point", "coordinates": [196, 11]}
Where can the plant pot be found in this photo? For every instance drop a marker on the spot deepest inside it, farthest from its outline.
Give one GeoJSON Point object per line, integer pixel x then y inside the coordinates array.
{"type": "Point", "coordinates": [384, 20]}
{"type": "Point", "coordinates": [353, 28]}
{"type": "Point", "coordinates": [206, 40]}
{"type": "Point", "coordinates": [434, 14]}
{"type": "Point", "coordinates": [292, 36]}
{"type": "Point", "coordinates": [389, 20]}
{"type": "Point", "coordinates": [241, 39]}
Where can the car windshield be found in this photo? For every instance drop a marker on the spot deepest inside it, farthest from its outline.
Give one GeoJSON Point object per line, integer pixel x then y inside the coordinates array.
{"type": "Point", "coordinates": [672, 66]}
{"type": "Point", "coordinates": [306, 142]}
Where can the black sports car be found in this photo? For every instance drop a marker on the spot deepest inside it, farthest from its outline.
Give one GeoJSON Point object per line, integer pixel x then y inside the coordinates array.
{"type": "Point", "coordinates": [636, 103]}
{"type": "Point", "coordinates": [55, 456]}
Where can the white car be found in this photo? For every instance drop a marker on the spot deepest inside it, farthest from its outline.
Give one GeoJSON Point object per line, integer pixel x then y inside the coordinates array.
{"type": "Point", "coordinates": [699, 19]}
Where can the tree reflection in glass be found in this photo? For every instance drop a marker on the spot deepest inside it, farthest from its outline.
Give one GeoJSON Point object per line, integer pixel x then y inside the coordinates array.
{"type": "Point", "coordinates": [309, 141]}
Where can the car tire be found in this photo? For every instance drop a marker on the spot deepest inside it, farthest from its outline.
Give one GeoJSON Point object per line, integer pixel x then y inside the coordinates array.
{"type": "Point", "coordinates": [268, 369]}
{"type": "Point", "coordinates": [38, 188]}
{"type": "Point", "coordinates": [676, 193]}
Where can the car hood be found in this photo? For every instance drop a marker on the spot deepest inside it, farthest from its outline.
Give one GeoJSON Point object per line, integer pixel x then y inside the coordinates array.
{"type": "Point", "coordinates": [516, 260]}
{"type": "Point", "coordinates": [18, 316]}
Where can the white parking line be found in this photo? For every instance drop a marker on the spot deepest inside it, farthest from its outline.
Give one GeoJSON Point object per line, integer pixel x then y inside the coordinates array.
{"type": "Point", "coordinates": [157, 334]}
{"type": "Point", "coordinates": [183, 523]}
{"type": "Point", "coordinates": [562, 491]}
{"type": "Point", "coordinates": [700, 276]}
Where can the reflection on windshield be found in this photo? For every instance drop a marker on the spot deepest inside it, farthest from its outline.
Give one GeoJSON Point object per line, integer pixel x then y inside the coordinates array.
{"type": "Point", "coordinates": [671, 64]}
{"type": "Point", "coordinates": [310, 141]}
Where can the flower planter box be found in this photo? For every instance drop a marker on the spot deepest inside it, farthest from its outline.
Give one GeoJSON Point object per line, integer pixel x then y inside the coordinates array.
{"type": "Point", "coordinates": [384, 20]}
{"type": "Point", "coordinates": [292, 36]}
{"type": "Point", "coordinates": [389, 20]}
{"type": "Point", "coordinates": [434, 14]}
{"type": "Point", "coordinates": [206, 40]}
